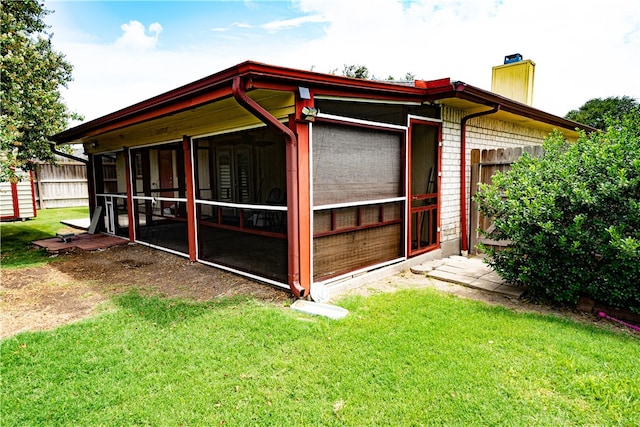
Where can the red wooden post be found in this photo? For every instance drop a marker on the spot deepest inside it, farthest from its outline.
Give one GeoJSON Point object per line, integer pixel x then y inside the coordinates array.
{"type": "Point", "coordinates": [304, 203]}
{"type": "Point", "coordinates": [130, 213]}
{"type": "Point", "coordinates": [191, 204]}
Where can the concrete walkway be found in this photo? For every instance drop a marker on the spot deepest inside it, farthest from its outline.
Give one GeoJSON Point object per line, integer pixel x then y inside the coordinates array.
{"type": "Point", "coordinates": [472, 272]}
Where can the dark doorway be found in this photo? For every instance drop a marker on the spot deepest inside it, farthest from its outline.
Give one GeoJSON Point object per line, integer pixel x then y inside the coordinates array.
{"type": "Point", "coordinates": [424, 161]}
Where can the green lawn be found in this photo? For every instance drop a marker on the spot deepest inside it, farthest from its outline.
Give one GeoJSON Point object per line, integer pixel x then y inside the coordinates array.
{"type": "Point", "coordinates": [16, 249]}
{"type": "Point", "coordinates": [409, 358]}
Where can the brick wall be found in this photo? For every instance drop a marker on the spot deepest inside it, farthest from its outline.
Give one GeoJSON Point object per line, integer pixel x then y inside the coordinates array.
{"type": "Point", "coordinates": [482, 132]}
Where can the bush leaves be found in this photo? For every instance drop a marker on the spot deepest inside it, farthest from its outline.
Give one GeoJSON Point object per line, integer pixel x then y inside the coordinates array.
{"type": "Point", "coordinates": [573, 217]}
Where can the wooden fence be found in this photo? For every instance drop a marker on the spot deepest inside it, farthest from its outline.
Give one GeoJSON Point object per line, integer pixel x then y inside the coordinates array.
{"type": "Point", "coordinates": [64, 185]}
{"type": "Point", "coordinates": [485, 163]}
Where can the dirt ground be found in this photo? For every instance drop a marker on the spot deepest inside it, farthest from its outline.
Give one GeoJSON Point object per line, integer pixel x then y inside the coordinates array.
{"type": "Point", "coordinates": [81, 283]}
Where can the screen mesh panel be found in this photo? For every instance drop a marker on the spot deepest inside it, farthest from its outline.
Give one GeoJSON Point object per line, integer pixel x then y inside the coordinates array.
{"type": "Point", "coordinates": [353, 164]}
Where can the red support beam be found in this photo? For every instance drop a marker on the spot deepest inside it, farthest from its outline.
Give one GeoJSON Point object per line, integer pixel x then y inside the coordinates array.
{"type": "Point", "coordinates": [191, 204]}
{"type": "Point", "coordinates": [130, 213]}
{"type": "Point", "coordinates": [301, 129]}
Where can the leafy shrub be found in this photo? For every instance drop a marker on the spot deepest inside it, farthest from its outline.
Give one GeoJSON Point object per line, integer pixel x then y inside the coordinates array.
{"type": "Point", "coordinates": [573, 218]}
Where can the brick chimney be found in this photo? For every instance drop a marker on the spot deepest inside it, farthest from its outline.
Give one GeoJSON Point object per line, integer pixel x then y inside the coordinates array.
{"type": "Point", "coordinates": [514, 79]}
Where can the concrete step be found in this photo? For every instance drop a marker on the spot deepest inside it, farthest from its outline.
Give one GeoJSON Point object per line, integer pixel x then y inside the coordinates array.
{"type": "Point", "coordinates": [473, 273]}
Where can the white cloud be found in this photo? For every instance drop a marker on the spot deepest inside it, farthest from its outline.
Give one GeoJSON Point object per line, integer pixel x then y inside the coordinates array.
{"type": "Point", "coordinates": [241, 25]}
{"type": "Point", "coordinates": [578, 47]}
{"type": "Point", "coordinates": [135, 36]}
{"type": "Point", "coordinates": [108, 77]}
{"type": "Point", "coordinates": [580, 52]}
{"type": "Point", "coordinates": [275, 26]}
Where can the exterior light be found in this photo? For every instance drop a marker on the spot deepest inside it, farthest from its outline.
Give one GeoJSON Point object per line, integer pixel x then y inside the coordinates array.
{"type": "Point", "coordinates": [308, 113]}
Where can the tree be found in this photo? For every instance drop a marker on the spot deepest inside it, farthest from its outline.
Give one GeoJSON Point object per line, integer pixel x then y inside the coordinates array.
{"type": "Point", "coordinates": [408, 77]}
{"type": "Point", "coordinates": [355, 71]}
{"type": "Point", "coordinates": [596, 111]}
{"type": "Point", "coordinates": [362, 72]}
{"type": "Point", "coordinates": [572, 217]}
{"type": "Point", "coordinates": [32, 73]}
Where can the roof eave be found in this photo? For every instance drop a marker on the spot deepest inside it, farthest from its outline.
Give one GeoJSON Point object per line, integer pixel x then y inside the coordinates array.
{"type": "Point", "coordinates": [253, 72]}
{"type": "Point", "coordinates": [218, 85]}
{"type": "Point", "coordinates": [480, 96]}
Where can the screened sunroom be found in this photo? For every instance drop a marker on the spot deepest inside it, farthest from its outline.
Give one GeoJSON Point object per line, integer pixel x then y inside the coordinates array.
{"type": "Point", "coordinates": [239, 194]}
{"type": "Point", "coordinates": [291, 177]}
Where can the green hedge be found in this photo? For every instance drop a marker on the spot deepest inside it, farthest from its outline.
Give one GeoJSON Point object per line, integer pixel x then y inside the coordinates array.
{"type": "Point", "coordinates": [573, 217]}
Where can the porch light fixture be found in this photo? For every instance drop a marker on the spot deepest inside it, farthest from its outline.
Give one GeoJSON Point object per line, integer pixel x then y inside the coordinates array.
{"type": "Point", "coordinates": [308, 113]}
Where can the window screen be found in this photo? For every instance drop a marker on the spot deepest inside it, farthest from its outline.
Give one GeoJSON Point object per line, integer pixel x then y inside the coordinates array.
{"type": "Point", "coordinates": [352, 164]}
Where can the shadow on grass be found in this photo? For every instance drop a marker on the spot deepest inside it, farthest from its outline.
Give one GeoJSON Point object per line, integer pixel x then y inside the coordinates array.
{"type": "Point", "coordinates": [165, 311]}
{"type": "Point", "coordinates": [17, 250]}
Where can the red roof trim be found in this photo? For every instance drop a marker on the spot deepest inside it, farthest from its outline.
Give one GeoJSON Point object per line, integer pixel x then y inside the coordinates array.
{"type": "Point", "coordinates": [195, 93]}
{"type": "Point", "coordinates": [480, 96]}
{"type": "Point", "coordinates": [259, 75]}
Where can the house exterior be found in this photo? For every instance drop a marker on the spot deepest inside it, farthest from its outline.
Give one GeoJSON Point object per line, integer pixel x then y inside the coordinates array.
{"type": "Point", "coordinates": [299, 179]}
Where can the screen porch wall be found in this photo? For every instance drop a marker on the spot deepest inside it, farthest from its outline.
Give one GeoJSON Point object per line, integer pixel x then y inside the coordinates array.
{"type": "Point", "coordinates": [358, 197]}
{"type": "Point", "coordinates": [240, 196]}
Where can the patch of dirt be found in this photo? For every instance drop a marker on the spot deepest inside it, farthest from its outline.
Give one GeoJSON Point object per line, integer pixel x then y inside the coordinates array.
{"type": "Point", "coordinates": [81, 284]}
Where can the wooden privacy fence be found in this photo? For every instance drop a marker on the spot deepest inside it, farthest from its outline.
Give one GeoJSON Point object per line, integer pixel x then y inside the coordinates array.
{"type": "Point", "coordinates": [64, 185]}
{"type": "Point", "coordinates": [484, 164]}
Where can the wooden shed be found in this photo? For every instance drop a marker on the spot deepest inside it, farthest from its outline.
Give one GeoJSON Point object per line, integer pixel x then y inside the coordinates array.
{"type": "Point", "coordinates": [295, 178]}
{"type": "Point", "coordinates": [17, 200]}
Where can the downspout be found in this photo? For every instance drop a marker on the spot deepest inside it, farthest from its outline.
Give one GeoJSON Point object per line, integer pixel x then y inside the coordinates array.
{"type": "Point", "coordinates": [463, 174]}
{"type": "Point", "coordinates": [293, 220]}
{"type": "Point", "coordinates": [54, 150]}
{"type": "Point", "coordinates": [90, 183]}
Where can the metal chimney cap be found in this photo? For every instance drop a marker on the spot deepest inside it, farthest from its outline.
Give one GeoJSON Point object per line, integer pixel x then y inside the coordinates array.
{"type": "Point", "coordinates": [516, 57]}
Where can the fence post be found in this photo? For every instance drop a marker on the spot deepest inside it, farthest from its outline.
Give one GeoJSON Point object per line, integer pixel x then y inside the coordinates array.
{"type": "Point", "coordinates": [484, 164]}
{"type": "Point", "coordinates": [39, 198]}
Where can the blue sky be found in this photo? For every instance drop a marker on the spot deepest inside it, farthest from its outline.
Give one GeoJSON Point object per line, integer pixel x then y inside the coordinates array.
{"type": "Point", "coordinates": [183, 22]}
{"type": "Point", "coordinates": [124, 52]}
